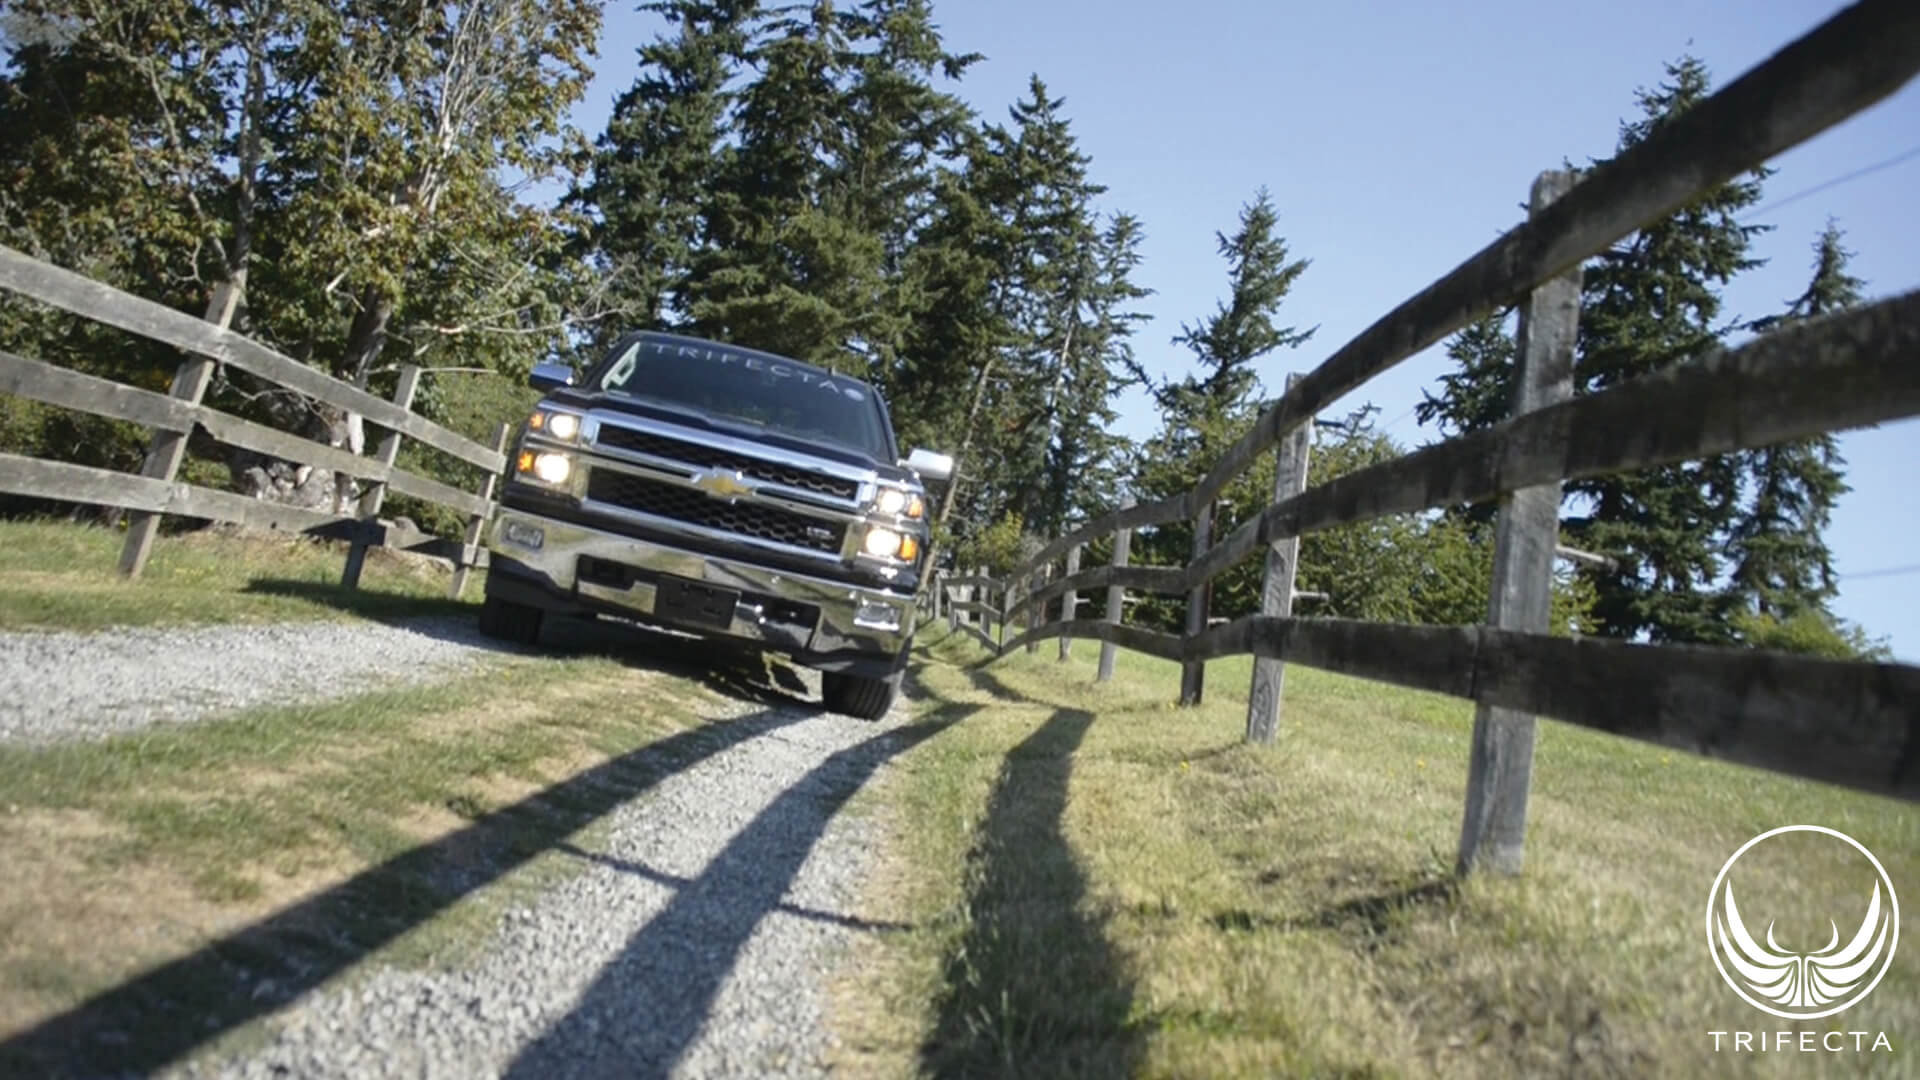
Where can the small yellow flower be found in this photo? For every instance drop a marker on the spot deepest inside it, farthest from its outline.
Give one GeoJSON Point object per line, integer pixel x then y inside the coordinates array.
{"type": "Point", "coordinates": [1420, 763]}
{"type": "Point", "coordinates": [1186, 764]}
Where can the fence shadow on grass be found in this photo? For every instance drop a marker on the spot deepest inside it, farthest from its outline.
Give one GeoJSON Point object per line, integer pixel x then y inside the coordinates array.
{"type": "Point", "coordinates": [1034, 987]}
{"type": "Point", "coordinates": [157, 1018]}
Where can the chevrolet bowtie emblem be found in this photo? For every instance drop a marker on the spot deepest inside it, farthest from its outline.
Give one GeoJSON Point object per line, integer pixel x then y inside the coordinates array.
{"type": "Point", "coordinates": [725, 484]}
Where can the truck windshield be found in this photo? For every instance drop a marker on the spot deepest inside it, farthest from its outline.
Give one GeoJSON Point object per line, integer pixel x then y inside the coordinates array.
{"type": "Point", "coordinates": [751, 388]}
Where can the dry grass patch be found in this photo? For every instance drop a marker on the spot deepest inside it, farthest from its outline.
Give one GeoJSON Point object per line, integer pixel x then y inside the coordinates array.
{"type": "Point", "coordinates": [1103, 885]}
{"type": "Point", "coordinates": [128, 851]}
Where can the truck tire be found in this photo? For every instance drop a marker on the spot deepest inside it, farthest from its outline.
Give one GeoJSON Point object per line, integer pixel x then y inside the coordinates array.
{"type": "Point", "coordinates": [857, 695]}
{"type": "Point", "coordinates": [509, 621]}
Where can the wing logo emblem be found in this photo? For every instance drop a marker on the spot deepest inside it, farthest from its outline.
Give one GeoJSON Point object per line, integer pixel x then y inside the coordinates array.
{"type": "Point", "coordinates": [1802, 985]}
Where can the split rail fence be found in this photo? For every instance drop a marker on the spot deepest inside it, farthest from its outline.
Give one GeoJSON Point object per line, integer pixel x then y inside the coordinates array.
{"type": "Point", "coordinates": [155, 490]}
{"type": "Point", "coordinates": [1855, 724]}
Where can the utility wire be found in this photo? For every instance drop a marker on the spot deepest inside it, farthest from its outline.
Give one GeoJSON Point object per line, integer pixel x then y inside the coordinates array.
{"type": "Point", "coordinates": [1891, 571]}
{"type": "Point", "coordinates": [1835, 182]}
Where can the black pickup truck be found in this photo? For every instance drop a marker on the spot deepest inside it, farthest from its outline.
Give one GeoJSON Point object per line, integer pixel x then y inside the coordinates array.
{"type": "Point", "coordinates": [721, 491]}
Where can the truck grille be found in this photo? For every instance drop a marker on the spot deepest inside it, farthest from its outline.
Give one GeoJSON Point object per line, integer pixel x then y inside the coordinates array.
{"type": "Point", "coordinates": [646, 442]}
{"type": "Point", "coordinates": [695, 508]}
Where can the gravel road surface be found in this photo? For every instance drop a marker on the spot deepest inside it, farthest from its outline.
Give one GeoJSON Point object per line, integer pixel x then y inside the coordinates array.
{"type": "Point", "coordinates": [77, 685]}
{"type": "Point", "coordinates": [696, 942]}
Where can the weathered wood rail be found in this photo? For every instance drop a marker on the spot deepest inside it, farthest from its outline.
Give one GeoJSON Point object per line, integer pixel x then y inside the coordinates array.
{"type": "Point", "coordinates": [1855, 724]}
{"type": "Point", "coordinates": [155, 491]}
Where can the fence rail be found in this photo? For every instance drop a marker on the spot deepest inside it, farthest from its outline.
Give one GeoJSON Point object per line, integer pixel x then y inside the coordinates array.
{"type": "Point", "coordinates": [172, 417]}
{"type": "Point", "coordinates": [1854, 724]}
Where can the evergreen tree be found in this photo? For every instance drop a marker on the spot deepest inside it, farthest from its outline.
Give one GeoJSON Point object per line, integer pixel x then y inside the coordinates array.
{"type": "Point", "coordinates": [1477, 394]}
{"type": "Point", "coordinates": [785, 269]}
{"type": "Point", "coordinates": [653, 167]}
{"type": "Point", "coordinates": [1206, 411]}
{"type": "Point", "coordinates": [1086, 460]}
{"type": "Point", "coordinates": [1782, 566]}
{"type": "Point", "coordinates": [1646, 306]}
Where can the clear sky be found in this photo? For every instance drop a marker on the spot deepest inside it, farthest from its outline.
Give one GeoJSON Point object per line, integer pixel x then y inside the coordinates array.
{"type": "Point", "coordinates": [1397, 139]}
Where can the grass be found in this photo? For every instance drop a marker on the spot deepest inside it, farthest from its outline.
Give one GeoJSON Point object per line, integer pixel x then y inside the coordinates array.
{"type": "Point", "coordinates": [59, 576]}
{"type": "Point", "coordinates": [141, 869]}
{"type": "Point", "coordinates": [1102, 884]}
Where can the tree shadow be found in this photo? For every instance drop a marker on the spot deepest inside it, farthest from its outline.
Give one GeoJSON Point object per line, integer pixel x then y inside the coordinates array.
{"type": "Point", "coordinates": [154, 1019]}
{"type": "Point", "coordinates": [1033, 988]}
{"type": "Point", "coordinates": [647, 1006]}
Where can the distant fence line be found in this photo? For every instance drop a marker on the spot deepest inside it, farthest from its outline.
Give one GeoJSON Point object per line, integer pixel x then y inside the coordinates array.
{"type": "Point", "coordinates": [155, 491]}
{"type": "Point", "coordinates": [1856, 724]}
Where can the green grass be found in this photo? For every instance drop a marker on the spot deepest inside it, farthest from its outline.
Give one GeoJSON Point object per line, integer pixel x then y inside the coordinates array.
{"type": "Point", "coordinates": [55, 575]}
{"type": "Point", "coordinates": [1103, 884]}
{"type": "Point", "coordinates": [148, 847]}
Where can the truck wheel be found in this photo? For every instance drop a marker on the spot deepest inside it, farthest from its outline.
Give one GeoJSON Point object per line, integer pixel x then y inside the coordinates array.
{"type": "Point", "coordinates": [509, 621]}
{"type": "Point", "coordinates": [857, 695]}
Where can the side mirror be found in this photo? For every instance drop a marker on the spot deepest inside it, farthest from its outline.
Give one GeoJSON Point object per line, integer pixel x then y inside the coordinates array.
{"type": "Point", "coordinates": [930, 466]}
{"type": "Point", "coordinates": [548, 375]}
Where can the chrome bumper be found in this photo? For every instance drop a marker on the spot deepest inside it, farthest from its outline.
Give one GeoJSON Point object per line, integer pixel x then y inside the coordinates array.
{"type": "Point", "coordinates": [854, 623]}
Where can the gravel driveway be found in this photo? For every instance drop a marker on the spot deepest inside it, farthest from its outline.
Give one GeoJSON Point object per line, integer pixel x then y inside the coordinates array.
{"type": "Point", "coordinates": [62, 685]}
{"type": "Point", "coordinates": [697, 941]}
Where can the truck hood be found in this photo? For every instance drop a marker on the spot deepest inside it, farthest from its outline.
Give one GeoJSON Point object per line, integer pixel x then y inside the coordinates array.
{"type": "Point", "coordinates": [830, 451]}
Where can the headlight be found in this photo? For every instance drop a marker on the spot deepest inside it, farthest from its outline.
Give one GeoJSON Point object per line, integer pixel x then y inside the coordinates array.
{"type": "Point", "coordinates": [882, 543]}
{"type": "Point", "coordinates": [555, 425]}
{"type": "Point", "coordinates": [887, 544]}
{"type": "Point", "coordinates": [897, 502]}
{"type": "Point", "coordinates": [548, 468]}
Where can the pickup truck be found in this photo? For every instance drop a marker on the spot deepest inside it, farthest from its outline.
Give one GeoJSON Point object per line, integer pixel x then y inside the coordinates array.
{"type": "Point", "coordinates": [724, 492]}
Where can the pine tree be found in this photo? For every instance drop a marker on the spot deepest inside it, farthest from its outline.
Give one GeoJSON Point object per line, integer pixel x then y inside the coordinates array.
{"type": "Point", "coordinates": [1646, 306]}
{"type": "Point", "coordinates": [653, 168]}
{"type": "Point", "coordinates": [1206, 411]}
{"type": "Point", "coordinates": [787, 267]}
{"type": "Point", "coordinates": [1782, 566]}
{"type": "Point", "coordinates": [1476, 395]}
{"type": "Point", "coordinates": [1086, 460]}
{"type": "Point", "coordinates": [1479, 392]}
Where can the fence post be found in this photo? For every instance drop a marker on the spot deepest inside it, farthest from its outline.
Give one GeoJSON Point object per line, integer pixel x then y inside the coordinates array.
{"type": "Point", "coordinates": [1041, 578]}
{"type": "Point", "coordinates": [376, 493]}
{"type": "Point", "coordinates": [1276, 594]}
{"type": "Point", "coordinates": [477, 524]}
{"type": "Point", "coordinates": [1500, 767]}
{"type": "Point", "coordinates": [1069, 602]}
{"type": "Point", "coordinates": [1193, 673]}
{"type": "Point", "coordinates": [1116, 596]}
{"type": "Point", "coordinates": [1006, 613]}
{"type": "Point", "coordinates": [169, 448]}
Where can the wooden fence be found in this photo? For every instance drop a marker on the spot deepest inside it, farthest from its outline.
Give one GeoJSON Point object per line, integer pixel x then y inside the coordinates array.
{"type": "Point", "coordinates": [155, 490]}
{"type": "Point", "coordinates": [1856, 724]}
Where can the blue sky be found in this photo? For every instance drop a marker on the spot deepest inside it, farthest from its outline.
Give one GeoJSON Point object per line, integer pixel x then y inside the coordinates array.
{"type": "Point", "coordinates": [1399, 138]}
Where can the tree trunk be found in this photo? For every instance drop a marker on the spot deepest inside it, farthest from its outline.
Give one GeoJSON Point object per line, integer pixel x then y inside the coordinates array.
{"type": "Point", "coordinates": [966, 441]}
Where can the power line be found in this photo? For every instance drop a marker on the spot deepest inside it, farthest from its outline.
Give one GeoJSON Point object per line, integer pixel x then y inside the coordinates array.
{"type": "Point", "coordinates": [1835, 182]}
{"type": "Point", "coordinates": [1891, 571]}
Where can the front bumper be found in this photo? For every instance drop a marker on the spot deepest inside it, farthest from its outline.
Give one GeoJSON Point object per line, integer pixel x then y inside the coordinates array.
{"type": "Point", "coordinates": [570, 568]}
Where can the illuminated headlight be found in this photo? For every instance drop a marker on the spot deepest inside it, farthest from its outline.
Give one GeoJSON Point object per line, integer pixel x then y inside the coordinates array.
{"type": "Point", "coordinates": [882, 543]}
{"type": "Point", "coordinates": [563, 426]}
{"type": "Point", "coordinates": [897, 502]}
{"type": "Point", "coordinates": [548, 468]}
{"type": "Point", "coordinates": [887, 544]}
